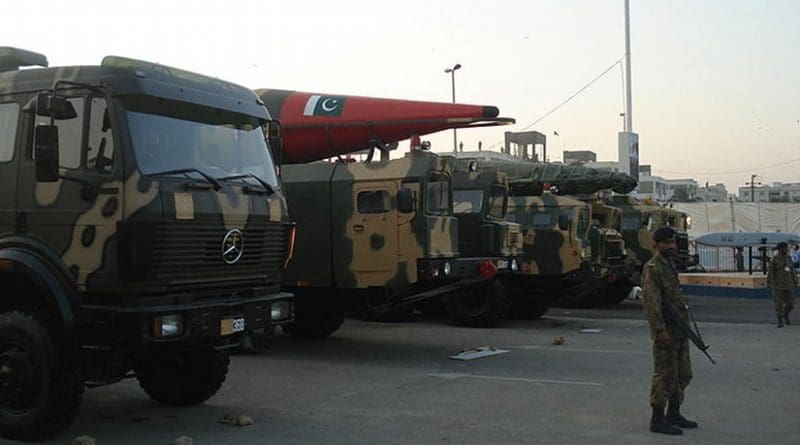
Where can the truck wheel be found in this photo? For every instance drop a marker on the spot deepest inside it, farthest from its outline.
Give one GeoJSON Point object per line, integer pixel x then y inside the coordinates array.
{"type": "Point", "coordinates": [432, 306]}
{"type": "Point", "coordinates": [39, 392]}
{"type": "Point", "coordinates": [184, 379]}
{"type": "Point", "coordinates": [584, 298]}
{"type": "Point", "coordinates": [481, 306]}
{"type": "Point", "coordinates": [617, 292]}
{"type": "Point", "coordinates": [315, 323]}
{"type": "Point", "coordinates": [528, 307]}
{"type": "Point", "coordinates": [397, 315]}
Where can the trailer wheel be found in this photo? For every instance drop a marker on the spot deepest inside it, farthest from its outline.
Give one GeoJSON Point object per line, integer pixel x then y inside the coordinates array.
{"type": "Point", "coordinates": [482, 305]}
{"type": "Point", "coordinates": [315, 323]}
{"type": "Point", "coordinates": [617, 292]}
{"type": "Point", "coordinates": [184, 379]}
{"type": "Point", "coordinates": [528, 307]}
{"type": "Point", "coordinates": [40, 393]}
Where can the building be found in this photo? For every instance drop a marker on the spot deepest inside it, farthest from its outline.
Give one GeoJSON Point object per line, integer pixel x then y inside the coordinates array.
{"type": "Point", "coordinates": [713, 193]}
{"type": "Point", "coordinates": [572, 156]}
{"type": "Point", "coordinates": [663, 190]}
{"type": "Point", "coordinates": [777, 192]}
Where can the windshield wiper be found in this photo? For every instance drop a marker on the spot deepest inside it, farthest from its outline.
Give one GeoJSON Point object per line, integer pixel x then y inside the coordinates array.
{"type": "Point", "coordinates": [185, 171]}
{"type": "Point", "coordinates": [264, 183]}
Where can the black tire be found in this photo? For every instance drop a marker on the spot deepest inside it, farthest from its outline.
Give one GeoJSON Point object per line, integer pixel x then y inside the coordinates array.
{"type": "Point", "coordinates": [184, 379]}
{"type": "Point", "coordinates": [315, 323]}
{"type": "Point", "coordinates": [482, 305]}
{"type": "Point", "coordinates": [400, 314]}
{"type": "Point", "coordinates": [434, 306]}
{"type": "Point", "coordinates": [583, 299]}
{"type": "Point", "coordinates": [40, 392]}
{"type": "Point", "coordinates": [528, 307]}
{"type": "Point", "coordinates": [617, 292]}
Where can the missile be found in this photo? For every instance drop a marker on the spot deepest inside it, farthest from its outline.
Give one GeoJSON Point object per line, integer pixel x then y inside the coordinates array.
{"type": "Point", "coordinates": [319, 126]}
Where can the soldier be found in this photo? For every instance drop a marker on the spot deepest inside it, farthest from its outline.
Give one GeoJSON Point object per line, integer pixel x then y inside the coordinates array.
{"type": "Point", "coordinates": [782, 281]}
{"type": "Point", "coordinates": [672, 366]}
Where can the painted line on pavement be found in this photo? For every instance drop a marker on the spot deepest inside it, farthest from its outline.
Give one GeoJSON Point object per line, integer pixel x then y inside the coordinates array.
{"type": "Point", "coordinates": [457, 375]}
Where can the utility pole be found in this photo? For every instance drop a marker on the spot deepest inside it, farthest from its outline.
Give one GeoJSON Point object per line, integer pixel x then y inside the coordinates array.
{"type": "Point", "coordinates": [452, 72]}
{"type": "Point", "coordinates": [752, 185]}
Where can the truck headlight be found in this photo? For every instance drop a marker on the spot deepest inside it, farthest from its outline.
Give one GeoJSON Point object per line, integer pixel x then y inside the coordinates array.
{"type": "Point", "coordinates": [167, 326]}
{"type": "Point", "coordinates": [514, 265]}
{"type": "Point", "coordinates": [447, 269]}
{"type": "Point", "coordinates": [280, 310]}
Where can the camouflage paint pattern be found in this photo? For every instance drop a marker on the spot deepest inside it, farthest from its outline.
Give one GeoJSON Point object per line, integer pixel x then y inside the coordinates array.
{"type": "Point", "coordinates": [344, 246]}
{"type": "Point", "coordinates": [83, 229]}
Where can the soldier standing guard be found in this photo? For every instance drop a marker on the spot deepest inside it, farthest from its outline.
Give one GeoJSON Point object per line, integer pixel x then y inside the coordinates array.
{"type": "Point", "coordinates": [672, 366]}
{"type": "Point", "coordinates": [782, 281]}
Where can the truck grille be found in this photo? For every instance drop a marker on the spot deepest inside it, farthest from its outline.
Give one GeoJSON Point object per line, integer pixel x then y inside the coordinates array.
{"type": "Point", "coordinates": [613, 248]}
{"type": "Point", "coordinates": [191, 251]}
{"type": "Point", "coordinates": [682, 242]}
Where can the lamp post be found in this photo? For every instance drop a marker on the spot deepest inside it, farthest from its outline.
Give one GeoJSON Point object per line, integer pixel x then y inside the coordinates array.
{"type": "Point", "coordinates": [452, 72]}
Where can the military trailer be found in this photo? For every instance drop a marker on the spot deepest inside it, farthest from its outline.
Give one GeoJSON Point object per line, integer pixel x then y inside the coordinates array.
{"type": "Point", "coordinates": [640, 220]}
{"type": "Point", "coordinates": [143, 231]}
{"type": "Point", "coordinates": [382, 236]}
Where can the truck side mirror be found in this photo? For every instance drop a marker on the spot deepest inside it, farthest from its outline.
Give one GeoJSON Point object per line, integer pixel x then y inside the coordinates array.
{"type": "Point", "coordinates": [55, 107]}
{"type": "Point", "coordinates": [46, 153]}
{"type": "Point", "coordinates": [274, 139]}
{"type": "Point", "coordinates": [564, 222]}
{"type": "Point", "coordinates": [405, 200]}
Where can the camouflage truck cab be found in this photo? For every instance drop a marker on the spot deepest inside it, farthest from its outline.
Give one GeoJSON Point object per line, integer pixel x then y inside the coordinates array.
{"type": "Point", "coordinates": [613, 264]}
{"type": "Point", "coordinates": [142, 228]}
{"type": "Point", "coordinates": [378, 235]}
{"type": "Point", "coordinates": [640, 220]}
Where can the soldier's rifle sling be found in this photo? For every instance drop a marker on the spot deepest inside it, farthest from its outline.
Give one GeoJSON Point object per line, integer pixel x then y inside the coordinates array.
{"type": "Point", "coordinates": [672, 314]}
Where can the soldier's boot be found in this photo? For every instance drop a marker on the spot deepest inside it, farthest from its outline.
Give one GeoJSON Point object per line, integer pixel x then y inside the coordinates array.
{"type": "Point", "coordinates": [786, 318]}
{"type": "Point", "coordinates": [780, 322]}
{"type": "Point", "coordinates": [660, 424]}
{"type": "Point", "coordinates": [674, 416]}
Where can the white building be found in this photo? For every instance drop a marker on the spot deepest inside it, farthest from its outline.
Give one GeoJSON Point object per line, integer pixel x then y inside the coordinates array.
{"type": "Point", "coordinates": [713, 193]}
{"type": "Point", "coordinates": [777, 192]}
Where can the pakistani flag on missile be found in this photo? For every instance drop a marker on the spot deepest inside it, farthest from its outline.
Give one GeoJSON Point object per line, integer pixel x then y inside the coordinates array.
{"type": "Point", "coordinates": [318, 105]}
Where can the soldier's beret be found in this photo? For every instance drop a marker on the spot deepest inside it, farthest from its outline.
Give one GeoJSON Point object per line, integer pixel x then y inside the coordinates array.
{"type": "Point", "coordinates": [781, 245]}
{"type": "Point", "coordinates": [663, 234]}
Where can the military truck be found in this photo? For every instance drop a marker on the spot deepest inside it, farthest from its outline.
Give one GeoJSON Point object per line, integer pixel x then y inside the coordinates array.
{"type": "Point", "coordinates": [382, 236]}
{"type": "Point", "coordinates": [640, 220]}
{"type": "Point", "coordinates": [618, 269]}
{"type": "Point", "coordinates": [143, 231]}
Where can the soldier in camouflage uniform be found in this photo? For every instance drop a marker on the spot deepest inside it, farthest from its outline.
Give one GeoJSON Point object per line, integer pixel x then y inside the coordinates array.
{"type": "Point", "coordinates": [782, 281]}
{"type": "Point", "coordinates": [672, 366]}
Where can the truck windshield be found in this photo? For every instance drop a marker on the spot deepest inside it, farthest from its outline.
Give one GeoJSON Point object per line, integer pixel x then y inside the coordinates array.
{"type": "Point", "coordinates": [467, 201]}
{"type": "Point", "coordinates": [631, 222]}
{"type": "Point", "coordinates": [173, 136]}
{"type": "Point", "coordinates": [438, 194]}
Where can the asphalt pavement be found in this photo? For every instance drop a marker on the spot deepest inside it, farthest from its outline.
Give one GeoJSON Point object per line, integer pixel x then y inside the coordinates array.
{"type": "Point", "coordinates": [378, 383]}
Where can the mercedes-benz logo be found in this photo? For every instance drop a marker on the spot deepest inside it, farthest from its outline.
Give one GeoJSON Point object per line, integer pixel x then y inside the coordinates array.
{"type": "Point", "coordinates": [232, 246]}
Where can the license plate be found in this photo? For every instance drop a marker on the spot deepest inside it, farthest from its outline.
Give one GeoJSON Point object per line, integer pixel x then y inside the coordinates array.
{"type": "Point", "coordinates": [230, 326]}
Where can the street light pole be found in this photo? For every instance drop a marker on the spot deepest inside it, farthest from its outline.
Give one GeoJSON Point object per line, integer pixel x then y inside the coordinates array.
{"type": "Point", "coordinates": [752, 185]}
{"type": "Point", "coordinates": [452, 72]}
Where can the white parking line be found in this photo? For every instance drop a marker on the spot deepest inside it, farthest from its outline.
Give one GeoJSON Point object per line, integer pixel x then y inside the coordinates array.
{"type": "Point", "coordinates": [562, 349]}
{"type": "Point", "coordinates": [456, 375]}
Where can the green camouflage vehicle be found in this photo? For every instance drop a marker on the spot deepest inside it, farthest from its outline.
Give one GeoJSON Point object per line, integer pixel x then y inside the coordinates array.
{"type": "Point", "coordinates": [617, 269]}
{"type": "Point", "coordinates": [382, 236]}
{"type": "Point", "coordinates": [640, 220]}
{"type": "Point", "coordinates": [143, 231]}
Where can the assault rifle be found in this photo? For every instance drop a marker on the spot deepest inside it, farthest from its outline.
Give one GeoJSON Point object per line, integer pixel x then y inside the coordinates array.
{"type": "Point", "coordinates": [671, 313]}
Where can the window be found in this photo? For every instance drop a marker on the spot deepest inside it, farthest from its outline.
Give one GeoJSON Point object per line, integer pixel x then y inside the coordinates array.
{"type": "Point", "coordinates": [540, 220]}
{"type": "Point", "coordinates": [631, 222]}
{"type": "Point", "coordinates": [467, 201]}
{"type": "Point", "coordinates": [497, 199]}
{"type": "Point", "coordinates": [583, 222]}
{"type": "Point", "coordinates": [645, 187]}
{"type": "Point", "coordinates": [437, 194]}
{"type": "Point", "coordinates": [100, 151]}
{"type": "Point", "coordinates": [9, 114]}
{"type": "Point", "coordinates": [377, 201]}
{"type": "Point", "coordinates": [69, 135]}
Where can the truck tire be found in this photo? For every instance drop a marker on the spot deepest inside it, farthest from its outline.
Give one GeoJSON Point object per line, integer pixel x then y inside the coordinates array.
{"type": "Point", "coordinates": [40, 393]}
{"type": "Point", "coordinates": [584, 298]}
{"type": "Point", "coordinates": [528, 307]}
{"type": "Point", "coordinates": [189, 378]}
{"type": "Point", "coordinates": [481, 306]}
{"type": "Point", "coordinates": [315, 323]}
{"type": "Point", "coordinates": [617, 292]}
{"type": "Point", "coordinates": [434, 306]}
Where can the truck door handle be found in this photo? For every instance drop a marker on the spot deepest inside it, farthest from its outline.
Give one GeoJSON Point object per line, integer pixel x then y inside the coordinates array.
{"type": "Point", "coordinates": [358, 228]}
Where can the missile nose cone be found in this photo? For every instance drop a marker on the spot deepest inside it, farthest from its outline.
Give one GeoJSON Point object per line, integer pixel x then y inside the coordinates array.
{"type": "Point", "coordinates": [489, 111]}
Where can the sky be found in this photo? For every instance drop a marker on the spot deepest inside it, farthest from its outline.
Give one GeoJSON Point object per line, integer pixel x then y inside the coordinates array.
{"type": "Point", "coordinates": [715, 84]}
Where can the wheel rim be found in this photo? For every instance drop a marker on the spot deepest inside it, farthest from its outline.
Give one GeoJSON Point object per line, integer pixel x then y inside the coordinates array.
{"type": "Point", "coordinates": [19, 375]}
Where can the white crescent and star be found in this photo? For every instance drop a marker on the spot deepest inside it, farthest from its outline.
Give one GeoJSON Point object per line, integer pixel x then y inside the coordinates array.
{"type": "Point", "coordinates": [328, 108]}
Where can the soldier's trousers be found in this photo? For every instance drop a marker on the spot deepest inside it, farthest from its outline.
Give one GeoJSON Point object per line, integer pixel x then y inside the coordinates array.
{"type": "Point", "coordinates": [672, 372]}
{"type": "Point", "coordinates": [784, 301]}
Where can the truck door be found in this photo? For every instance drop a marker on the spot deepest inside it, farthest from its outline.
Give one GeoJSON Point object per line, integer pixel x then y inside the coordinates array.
{"type": "Point", "coordinates": [9, 119]}
{"type": "Point", "coordinates": [373, 231]}
{"type": "Point", "coordinates": [78, 214]}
